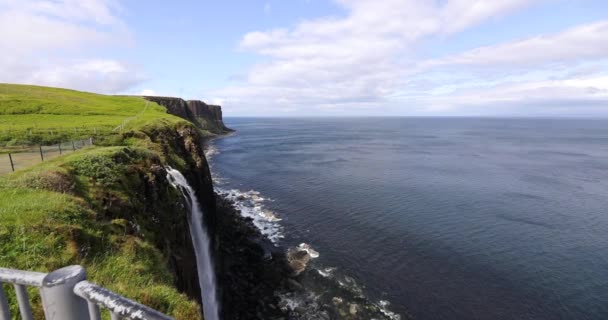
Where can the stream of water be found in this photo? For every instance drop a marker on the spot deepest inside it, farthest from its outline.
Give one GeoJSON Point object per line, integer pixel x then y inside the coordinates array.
{"type": "Point", "coordinates": [201, 243]}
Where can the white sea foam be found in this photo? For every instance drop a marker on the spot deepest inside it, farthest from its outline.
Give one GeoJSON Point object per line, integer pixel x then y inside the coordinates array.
{"type": "Point", "coordinates": [351, 285]}
{"type": "Point", "coordinates": [251, 205]}
{"type": "Point", "coordinates": [210, 151]}
{"type": "Point", "coordinates": [326, 272]}
{"type": "Point", "coordinates": [311, 252]}
{"type": "Point", "coordinates": [290, 301]}
{"type": "Point", "coordinates": [383, 305]}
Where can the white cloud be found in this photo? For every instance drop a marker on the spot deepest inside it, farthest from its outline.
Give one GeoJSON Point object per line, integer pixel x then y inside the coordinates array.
{"type": "Point", "coordinates": [458, 15]}
{"type": "Point", "coordinates": [355, 60]}
{"type": "Point", "coordinates": [589, 41]}
{"type": "Point", "coordinates": [54, 42]}
{"type": "Point", "coordinates": [371, 61]}
{"type": "Point", "coordinates": [96, 75]}
{"type": "Point", "coordinates": [585, 96]}
{"type": "Point", "coordinates": [147, 92]}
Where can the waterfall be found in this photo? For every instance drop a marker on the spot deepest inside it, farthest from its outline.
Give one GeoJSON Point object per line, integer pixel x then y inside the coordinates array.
{"type": "Point", "coordinates": [201, 244]}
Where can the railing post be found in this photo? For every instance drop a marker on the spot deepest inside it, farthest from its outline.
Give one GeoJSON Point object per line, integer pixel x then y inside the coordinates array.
{"type": "Point", "coordinates": [24, 302]}
{"type": "Point", "coordinates": [5, 313]}
{"type": "Point", "coordinates": [10, 158]}
{"type": "Point", "coordinates": [58, 298]}
{"type": "Point", "coordinates": [41, 155]}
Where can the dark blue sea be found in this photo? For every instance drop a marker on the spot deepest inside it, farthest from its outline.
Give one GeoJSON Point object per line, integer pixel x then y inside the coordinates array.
{"type": "Point", "coordinates": [445, 218]}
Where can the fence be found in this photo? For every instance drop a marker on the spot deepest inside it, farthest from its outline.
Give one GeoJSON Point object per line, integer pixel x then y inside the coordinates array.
{"type": "Point", "coordinates": [24, 158]}
{"type": "Point", "coordinates": [66, 295]}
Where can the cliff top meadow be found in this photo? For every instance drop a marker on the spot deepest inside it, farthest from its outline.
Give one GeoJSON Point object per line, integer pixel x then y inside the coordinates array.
{"type": "Point", "coordinates": [106, 207]}
{"type": "Point", "coordinates": [43, 115]}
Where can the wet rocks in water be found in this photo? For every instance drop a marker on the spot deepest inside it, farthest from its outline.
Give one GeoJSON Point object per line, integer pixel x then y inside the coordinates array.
{"type": "Point", "coordinates": [259, 280]}
{"type": "Point", "coordinates": [336, 300]}
{"type": "Point", "coordinates": [299, 257]}
{"type": "Point", "coordinates": [250, 269]}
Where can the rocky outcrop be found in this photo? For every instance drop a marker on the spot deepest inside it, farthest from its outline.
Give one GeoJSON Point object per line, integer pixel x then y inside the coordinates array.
{"type": "Point", "coordinates": [175, 106]}
{"type": "Point", "coordinates": [205, 116]}
{"type": "Point", "coordinates": [300, 256]}
{"type": "Point", "coordinates": [208, 116]}
{"type": "Point", "coordinates": [250, 269]}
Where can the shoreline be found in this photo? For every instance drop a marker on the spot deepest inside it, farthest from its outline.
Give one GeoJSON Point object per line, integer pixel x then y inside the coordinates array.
{"type": "Point", "coordinates": [257, 267]}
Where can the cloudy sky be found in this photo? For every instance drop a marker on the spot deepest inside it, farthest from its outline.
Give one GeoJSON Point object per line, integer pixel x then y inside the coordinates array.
{"type": "Point", "coordinates": [321, 57]}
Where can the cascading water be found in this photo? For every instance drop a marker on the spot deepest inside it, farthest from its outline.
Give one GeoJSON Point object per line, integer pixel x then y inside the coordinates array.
{"type": "Point", "coordinates": [201, 244]}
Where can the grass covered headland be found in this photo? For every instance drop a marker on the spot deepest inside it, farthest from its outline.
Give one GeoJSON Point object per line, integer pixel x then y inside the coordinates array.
{"type": "Point", "coordinates": [42, 115]}
{"type": "Point", "coordinates": [107, 207]}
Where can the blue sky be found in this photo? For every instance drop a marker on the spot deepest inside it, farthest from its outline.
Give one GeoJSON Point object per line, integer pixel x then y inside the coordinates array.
{"type": "Point", "coordinates": [321, 57]}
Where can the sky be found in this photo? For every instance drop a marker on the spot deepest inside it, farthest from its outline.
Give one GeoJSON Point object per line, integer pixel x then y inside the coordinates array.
{"type": "Point", "coordinates": [321, 57]}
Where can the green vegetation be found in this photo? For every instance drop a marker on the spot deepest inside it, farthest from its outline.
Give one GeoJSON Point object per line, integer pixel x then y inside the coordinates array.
{"type": "Point", "coordinates": [108, 208]}
{"type": "Point", "coordinates": [41, 115]}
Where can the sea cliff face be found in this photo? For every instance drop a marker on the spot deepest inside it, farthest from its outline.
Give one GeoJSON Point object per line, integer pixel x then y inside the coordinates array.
{"type": "Point", "coordinates": [205, 116]}
{"type": "Point", "coordinates": [208, 116]}
{"type": "Point", "coordinates": [111, 209]}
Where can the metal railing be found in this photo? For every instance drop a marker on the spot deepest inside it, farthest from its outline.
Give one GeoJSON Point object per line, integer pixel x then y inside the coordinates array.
{"type": "Point", "coordinates": [66, 295]}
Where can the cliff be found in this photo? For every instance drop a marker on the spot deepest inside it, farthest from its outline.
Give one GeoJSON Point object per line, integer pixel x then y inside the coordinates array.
{"type": "Point", "coordinates": [205, 116]}
{"type": "Point", "coordinates": [208, 116]}
{"type": "Point", "coordinates": [111, 208]}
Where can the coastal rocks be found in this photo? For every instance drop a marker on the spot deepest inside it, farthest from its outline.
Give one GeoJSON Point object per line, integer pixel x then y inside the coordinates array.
{"type": "Point", "coordinates": [175, 106]}
{"type": "Point", "coordinates": [260, 280]}
{"type": "Point", "coordinates": [298, 260]}
{"type": "Point", "coordinates": [251, 205]}
{"type": "Point", "coordinates": [208, 116]}
{"type": "Point", "coordinates": [205, 116]}
{"type": "Point", "coordinates": [299, 257]}
{"type": "Point", "coordinates": [250, 269]}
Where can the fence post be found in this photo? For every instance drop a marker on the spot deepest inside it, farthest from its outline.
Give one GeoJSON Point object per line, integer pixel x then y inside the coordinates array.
{"type": "Point", "coordinates": [41, 155]}
{"type": "Point", "coordinates": [73, 146]}
{"type": "Point", "coordinates": [58, 298]}
{"type": "Point", "coordinates": [59, 145]}
{"type": "Point", "coordinates": [91, 140]}
{"type": "Point", "coordinates": [10, 158]}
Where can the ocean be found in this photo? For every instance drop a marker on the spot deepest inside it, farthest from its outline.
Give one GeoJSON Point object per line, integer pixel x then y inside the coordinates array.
{"type": "Point", "coordinates": [435, 218]}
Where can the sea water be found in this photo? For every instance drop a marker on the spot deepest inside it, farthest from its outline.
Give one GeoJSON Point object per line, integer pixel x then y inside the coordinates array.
{"type": "Point", "coordinates": [443, 218]}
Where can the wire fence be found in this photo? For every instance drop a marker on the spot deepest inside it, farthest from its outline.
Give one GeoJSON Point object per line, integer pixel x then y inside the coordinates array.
{"type": "Point", "coordinates": [25, 157]}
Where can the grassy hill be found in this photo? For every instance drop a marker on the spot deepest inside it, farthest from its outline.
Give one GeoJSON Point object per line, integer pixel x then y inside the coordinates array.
{"type": "Point", "coordinates": [107, 207]}
{"type": "Point", "coordinates": [42, 115]}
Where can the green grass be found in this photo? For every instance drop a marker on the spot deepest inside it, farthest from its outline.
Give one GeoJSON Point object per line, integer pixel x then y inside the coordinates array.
{"type": "Point", "coordinates": [56, 214]}
{"type": "Point", "coordinates": [102, 207]}
{"type": "Point", "coordinates": [41, 115]}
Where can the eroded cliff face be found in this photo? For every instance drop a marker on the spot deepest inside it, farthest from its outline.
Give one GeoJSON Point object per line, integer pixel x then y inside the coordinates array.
{"type": "Point", "coordinates": [155, 206]}
{"type": "Point", "coordinates": [250, 270]}
{"type": "Point", "coordinates": [208, 116]}
{"type": "Point", "coordinates": [205, 116]}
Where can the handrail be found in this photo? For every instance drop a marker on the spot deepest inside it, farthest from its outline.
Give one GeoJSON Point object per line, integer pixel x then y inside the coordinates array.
{"type": "Point", "coordinates": [66, 295]}
{"type": "Point", "coordinates": [26, 278]}
{"type": "Point", "coordinates": [118, 305]}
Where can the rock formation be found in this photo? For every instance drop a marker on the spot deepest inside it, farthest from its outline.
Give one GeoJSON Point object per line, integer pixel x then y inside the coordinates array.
{"type": "Point", "coordinates": [208, 116]}
{"type": "Point", "coordinates": [205, 116]}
